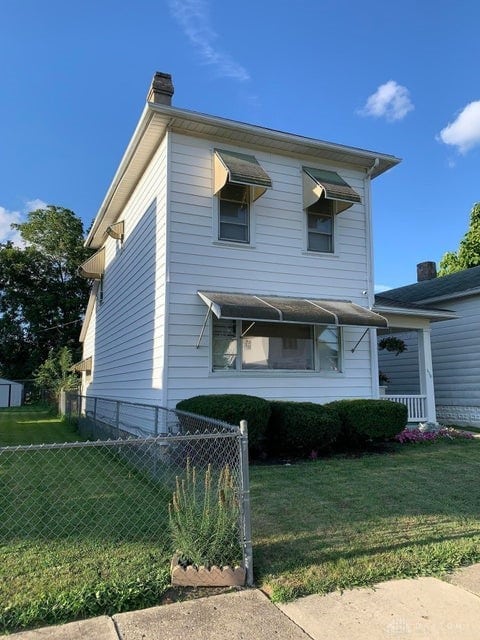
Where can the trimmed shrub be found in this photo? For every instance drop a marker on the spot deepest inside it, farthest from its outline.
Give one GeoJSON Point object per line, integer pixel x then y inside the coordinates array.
{"type": "Point", "coordinates": [369, 420]}
{"type": "Point", "coordinates": [297, 429]}
{"type": "Point", "coordinates": [232, 408]}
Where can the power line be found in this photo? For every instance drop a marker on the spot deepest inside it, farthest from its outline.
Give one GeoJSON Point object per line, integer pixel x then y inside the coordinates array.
{"type": "Point", "coordinates": [59, 326]}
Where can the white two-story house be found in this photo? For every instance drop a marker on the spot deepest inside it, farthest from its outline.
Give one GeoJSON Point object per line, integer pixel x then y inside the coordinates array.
{"type": "Point", "coordinates": [233, 258]}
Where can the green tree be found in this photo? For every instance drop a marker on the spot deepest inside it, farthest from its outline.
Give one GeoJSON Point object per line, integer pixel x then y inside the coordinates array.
{"type": "Point", "coordinates": [42, 298]}
{"type": "Point", "coordinates": [468, 253]}
{"type": "Point", "coordinates": [56, 373]}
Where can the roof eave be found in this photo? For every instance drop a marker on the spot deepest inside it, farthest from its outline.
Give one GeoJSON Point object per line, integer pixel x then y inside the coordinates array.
{"type": "Point", "coordinates": [189, 122]}
{"type": "Point", "coordinates": [262, 134]}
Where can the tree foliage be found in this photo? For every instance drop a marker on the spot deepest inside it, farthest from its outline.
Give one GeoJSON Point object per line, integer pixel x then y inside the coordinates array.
{"type": "Point", "coordinates": [42, 298]}
{"type": "Point", "coordinates": [468, 253]}
{"type": "Point", "coordinates": [56, 373]}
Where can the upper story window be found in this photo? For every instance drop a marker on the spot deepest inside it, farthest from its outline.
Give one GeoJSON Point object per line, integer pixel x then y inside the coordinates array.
{"type": "Point", "coordinates": [239, 180]}
{"type": "Point", "coordinates": [234, 213]}
{"type": "Point", "coordinates": [325, 194]}
{"type": "Point", "coordinates": [320, 226]}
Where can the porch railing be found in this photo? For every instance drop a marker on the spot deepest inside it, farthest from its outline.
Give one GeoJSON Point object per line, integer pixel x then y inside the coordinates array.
{"type": "Point", "coordinates": [416, 405]}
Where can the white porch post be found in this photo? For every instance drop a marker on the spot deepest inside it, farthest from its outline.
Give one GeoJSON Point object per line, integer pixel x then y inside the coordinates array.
{"type": "Point", "coordinates": [426, 372]}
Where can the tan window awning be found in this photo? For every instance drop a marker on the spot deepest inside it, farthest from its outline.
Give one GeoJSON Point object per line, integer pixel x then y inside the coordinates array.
{"type": "Point", "coordinates": [318, 183]}
{"type": "Point", "coordinates": [233, 306]}
{"type": "Point", "coordinates": [83, 365]}
{"type": "Point", "coordinates": [240, 168]}
{"type": "Point", "coordinates": [94, 267]}
{"type": "Point", "coordinates": [116, 230]}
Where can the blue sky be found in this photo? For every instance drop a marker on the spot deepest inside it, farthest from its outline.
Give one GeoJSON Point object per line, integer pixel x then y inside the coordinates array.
{"type": "Point", "coordinates": [395, 77]}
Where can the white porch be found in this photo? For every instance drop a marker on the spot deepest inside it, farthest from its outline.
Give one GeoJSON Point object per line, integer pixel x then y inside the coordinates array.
{"type": "Point", "coordinates": [416, 405]}
{"type": "Point", "coordinates": [410, 373]}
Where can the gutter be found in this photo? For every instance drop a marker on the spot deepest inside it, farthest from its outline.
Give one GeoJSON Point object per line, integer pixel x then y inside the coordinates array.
{"type": "Point", "coordinates": [438, 314]}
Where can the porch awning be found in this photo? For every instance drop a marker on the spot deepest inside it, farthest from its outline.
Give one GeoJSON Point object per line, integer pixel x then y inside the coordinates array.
{"type": "Point", "coordinates": [234, 306]}
{"type": "Point", "coordinates": [83, 365]}
{"type": "Point", "coordinates": [240, 168]}
{"type": "Point", "coordinates": [94, 267]}
{"type": "Point", "coordinates": [318, 183]}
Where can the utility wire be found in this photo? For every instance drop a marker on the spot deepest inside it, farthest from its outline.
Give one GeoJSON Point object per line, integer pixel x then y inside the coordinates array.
{"type": "Point", "coordinates": [59, 326]}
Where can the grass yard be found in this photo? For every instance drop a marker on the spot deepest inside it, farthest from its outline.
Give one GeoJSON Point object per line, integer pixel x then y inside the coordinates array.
{"type": "Point", "coordinates": [317, 526]}
{"type": "Point", "coordinates": [33, 424]}
{"type": "Point", "coordinates": [107, 550]}
{"type": "Point", "coordinates": [346, 522]}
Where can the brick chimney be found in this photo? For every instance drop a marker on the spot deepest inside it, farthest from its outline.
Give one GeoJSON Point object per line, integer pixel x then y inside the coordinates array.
{"type": "Point", "coordinates": [426, 271]}
{"type": "Point", "coordinates": [161, 89]}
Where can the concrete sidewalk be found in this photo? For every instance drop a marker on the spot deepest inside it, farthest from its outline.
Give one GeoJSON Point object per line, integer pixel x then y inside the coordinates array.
{"type": "Point", "coordinates": [425, 609]}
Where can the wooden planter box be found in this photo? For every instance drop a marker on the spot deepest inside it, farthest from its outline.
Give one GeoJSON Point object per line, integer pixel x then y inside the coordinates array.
{"type": "Point", "coordinates": [203, 577]}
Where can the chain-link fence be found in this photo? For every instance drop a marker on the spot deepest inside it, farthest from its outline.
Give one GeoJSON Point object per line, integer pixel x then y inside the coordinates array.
{"type": "Point", "coordinates": [119, 482]}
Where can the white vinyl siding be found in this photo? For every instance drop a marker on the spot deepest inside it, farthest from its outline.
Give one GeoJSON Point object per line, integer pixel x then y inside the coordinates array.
{"type": "Point", "coordinates": [456, 355]}
{"type": "Point", "coordinates": [278, 265]}
{"type": "Point", "coordinates": [126, 332]}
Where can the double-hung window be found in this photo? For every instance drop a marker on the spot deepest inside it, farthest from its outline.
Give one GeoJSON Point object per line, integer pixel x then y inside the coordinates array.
{"type": "Point", "coordinates": [239, 180]}
{"type": "Point", "coordinates": [320, 226]}
{"type": "Point", "coordinates": [242, 345]}
{"type": "Point", "coordinates": [234, 213]}
{"type": "Point", "coordinates": [325, 194]}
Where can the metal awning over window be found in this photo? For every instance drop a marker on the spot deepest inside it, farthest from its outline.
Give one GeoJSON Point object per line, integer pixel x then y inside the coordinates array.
{"type": "Point", "coordinates": [116, 230]}
{"type": "Point", "coordinates": [94, 267]}
{"type": "Point", "coordinates": [318, 183]}
{"type": "Point", "coordinates": [240, 168]}
{"type": "Point", "coordinates": [233, 306]}
{"type": "Point", "coordinates": [83, 365]}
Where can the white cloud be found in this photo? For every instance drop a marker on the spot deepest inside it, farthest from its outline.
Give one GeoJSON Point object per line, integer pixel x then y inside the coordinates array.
{"type": "Point", "coordinates": [464, 131]}
{"type": "Point", "coordinates": [8, 217]}
{"type": "Point", "coordinates": [390, 101]}
{"type": "Point", "coordinates": [192, 15]}
{"type": "Point", "coordinates": [32, 205]}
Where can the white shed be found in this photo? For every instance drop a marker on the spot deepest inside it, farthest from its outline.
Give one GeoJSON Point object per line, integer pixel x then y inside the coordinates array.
{"type": "Point", "coordinates": [11, 393]}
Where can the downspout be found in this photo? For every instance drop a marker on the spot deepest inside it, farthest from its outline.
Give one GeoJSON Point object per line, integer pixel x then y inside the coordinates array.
{"type": "Point", "coordinates": [375, 164]}
{"type": "Point", "coordinates": [374, 390]}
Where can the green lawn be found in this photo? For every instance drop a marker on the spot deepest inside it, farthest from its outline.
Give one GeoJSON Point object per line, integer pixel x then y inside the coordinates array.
{"type": "Point", "coordinates": [317, 526]}
{"type": "Point", "coordinates": [344, 522]}
{"type": "Point", "coordinates": [33, 425]}
{"type": "Point", "coordinates": [81, 533]}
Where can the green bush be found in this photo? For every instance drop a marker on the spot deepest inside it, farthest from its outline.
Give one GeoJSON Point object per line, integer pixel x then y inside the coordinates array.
{"type": "Point", "coordinates": [369, 420]}
{"type": "Point", "coordinates": [298, 428]}
{"type": "Point", "coordinates": [232, 408]}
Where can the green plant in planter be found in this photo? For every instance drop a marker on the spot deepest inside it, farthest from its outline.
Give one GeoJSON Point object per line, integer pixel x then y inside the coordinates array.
{"type": "Point", "coordinates": [392, 343]}
{"type": "Point", "coordinates": [204, 518]}
{"type": "Point", "coordinates": [383, 378]}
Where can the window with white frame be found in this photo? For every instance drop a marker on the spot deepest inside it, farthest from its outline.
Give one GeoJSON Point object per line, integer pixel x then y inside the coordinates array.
{"type": "Point", "coordinates": [234, 213]}
{"type": "Point", "coordinates": [242, 345]}
{"type": "Point", "coordinates": [320, 226]}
